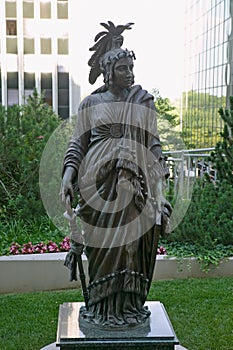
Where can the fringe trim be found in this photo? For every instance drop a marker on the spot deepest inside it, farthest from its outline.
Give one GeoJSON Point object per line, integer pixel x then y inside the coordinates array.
{"type": "Point", "coordinates": [125, 280]}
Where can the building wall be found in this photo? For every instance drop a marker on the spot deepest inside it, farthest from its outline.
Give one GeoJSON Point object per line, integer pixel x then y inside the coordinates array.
{"type": "Point", "coordinates": [208, 60]}
{"type": "Point", "coordinates": [35, 52]}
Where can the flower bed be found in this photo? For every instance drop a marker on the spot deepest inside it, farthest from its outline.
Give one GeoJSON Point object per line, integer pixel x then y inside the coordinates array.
{"type": "Point", "coordinates": [41, 247]}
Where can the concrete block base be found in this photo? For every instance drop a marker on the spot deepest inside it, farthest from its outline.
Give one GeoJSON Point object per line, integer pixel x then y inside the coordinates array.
{"type": "Point", "coordinates": [156, 334]}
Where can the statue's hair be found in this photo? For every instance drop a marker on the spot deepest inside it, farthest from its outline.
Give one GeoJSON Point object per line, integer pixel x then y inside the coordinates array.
{"type": "Point", "coordinates": [106, 42]}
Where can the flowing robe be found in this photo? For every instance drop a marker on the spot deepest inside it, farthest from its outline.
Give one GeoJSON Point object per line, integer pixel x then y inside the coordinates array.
{"type": "Point", "coordinates": [120, 170]}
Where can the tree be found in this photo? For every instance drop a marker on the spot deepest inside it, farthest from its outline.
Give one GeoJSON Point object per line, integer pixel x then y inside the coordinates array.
{"type": "Point", "coordinates": [24, 131]}
{"type": "Point", "coordinates": [222, 157]}
{"type": "Point", "coordinates": [165, 110]}
{"type": "Point", "coordinates": [167, 120]}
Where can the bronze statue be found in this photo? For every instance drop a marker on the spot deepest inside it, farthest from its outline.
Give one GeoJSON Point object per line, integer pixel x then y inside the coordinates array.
{"type": "Point", "coordinates": [115, 162]}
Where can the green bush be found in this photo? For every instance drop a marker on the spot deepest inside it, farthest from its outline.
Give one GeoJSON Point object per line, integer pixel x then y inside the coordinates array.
{"type": "Point", "coordinates": [24, 131]}
{"type": "Point", "coordinates": [222, 157]}
{"type": "Point", "coordinates": [208, 220]}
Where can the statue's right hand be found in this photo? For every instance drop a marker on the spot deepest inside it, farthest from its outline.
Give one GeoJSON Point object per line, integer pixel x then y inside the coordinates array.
{"type": "Point", "coordinates": [66, 186]}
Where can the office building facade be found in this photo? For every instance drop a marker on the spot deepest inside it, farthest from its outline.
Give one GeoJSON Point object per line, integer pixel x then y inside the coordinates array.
{"type": "Point", "coordinates": [37, 50]}
{"type": "Point", "coordinates": [208, 70]}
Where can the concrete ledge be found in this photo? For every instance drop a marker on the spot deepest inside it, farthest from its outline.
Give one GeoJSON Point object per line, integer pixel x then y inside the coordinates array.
{"type": "Point", "coordinates": [54, 347]}
{"type": "Point", "coordinates": [170, 268]}
{"type": "Point", "coordinates": [40, 272]}
{"type": "Point", "coordinates": [34, 272]}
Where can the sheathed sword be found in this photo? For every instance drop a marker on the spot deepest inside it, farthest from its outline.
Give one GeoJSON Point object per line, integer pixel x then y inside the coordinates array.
{"type": "Point", "coordinates": [74, 256]}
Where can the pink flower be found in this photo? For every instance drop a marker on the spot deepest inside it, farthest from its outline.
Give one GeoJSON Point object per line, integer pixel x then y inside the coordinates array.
{"type": "Point", "coordinates": [65, 244]}
{"type": "Point", "coordinates": [40, 248]}
{"type": "Point", "coordinates": [161, 251]}
{"type": "Point", "coordinates": [40, 137]}
{"type": "Point", "coordinates": [15, 248]}
{"type": "Point", "coordinates": [28, 248]}
{"type": "Point", "coordinates": [52, 247]}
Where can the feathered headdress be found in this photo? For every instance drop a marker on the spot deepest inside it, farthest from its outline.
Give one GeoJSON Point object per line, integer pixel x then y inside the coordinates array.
{"type": "Point", "coordinates": [105, 41]}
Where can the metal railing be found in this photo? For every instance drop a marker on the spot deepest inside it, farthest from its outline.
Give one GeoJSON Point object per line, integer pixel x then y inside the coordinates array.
{"type": "Point", "coordinates": [185, 167]}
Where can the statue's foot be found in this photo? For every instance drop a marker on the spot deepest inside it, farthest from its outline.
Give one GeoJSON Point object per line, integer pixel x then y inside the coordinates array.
{"type": "Point", "coordinates": [131, 321]}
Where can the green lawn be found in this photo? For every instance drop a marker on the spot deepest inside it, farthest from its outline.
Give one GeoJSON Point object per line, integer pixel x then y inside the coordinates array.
{"type": "Point", "coordinates": [200, 311]}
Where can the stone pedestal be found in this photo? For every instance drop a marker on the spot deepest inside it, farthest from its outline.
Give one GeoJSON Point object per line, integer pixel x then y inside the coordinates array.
{"type": "Point", "coordinates": [157, 334]}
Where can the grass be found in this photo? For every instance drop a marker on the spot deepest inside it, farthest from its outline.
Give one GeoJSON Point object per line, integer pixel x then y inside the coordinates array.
{"type": "Point", "coordinates": [24, 231]}
{"type": "Point", "coordinates": [200, 311]}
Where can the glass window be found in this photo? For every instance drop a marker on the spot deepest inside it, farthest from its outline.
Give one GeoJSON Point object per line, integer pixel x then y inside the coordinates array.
{"type": "Point", "coordinates": [12, 97]}
{"type": "Point", "coordinates": [29, 80]}
{"type": "Point", "coordinates": [63, 97]}
{"type": "Point", "coordinates": [63, 112]}
{"type": "Point", "coordinates": [62, 9]}
{"type": "Point", "coordinates": [11, 45]}
{"type": "Point", "coordinates": [46, 87]}
{"type": "Point", "coordinates": [45, 46]}
{"type": "Point", "coordinates": [45, 9]}
{"type": "Point", "coordinates": [12, 80]}
{"type": "Point", "coordinates": [29, 45]}
{"type": "Point", "coordinates": [62, 46]}
{"type": "Point", "coordinates": [11, 27]}
{"type": "Point", "coordinates": [225, 51]}
{"type": "Point", "coordinates": [29, 84]}
{"type": "Point", "coordinates": [10, 9]}
{"type": "Point", "coordinates": [228, 27]}
{"type": "Point", "coordinates": [28, 9]}
{"type": "Point", "coordinates": [46, 81]}
{"type": "Point", "coordinates": [63, 94]}
{"type": "Point", "coordinates": [63, 80]}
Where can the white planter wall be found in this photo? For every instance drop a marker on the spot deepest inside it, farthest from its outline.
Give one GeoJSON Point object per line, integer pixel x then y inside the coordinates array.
{"type": "Point", "coordinates": [40, 272]}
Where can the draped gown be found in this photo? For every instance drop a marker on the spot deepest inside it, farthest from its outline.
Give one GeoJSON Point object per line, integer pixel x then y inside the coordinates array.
{"type": "Point", "coordinates": [120, 169]}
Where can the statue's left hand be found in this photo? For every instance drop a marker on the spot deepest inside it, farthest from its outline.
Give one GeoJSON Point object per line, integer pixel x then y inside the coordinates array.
{"type": "Point", "coordinates": [167, 212]}
{"type": "Point", "coordinates": [67, 192]}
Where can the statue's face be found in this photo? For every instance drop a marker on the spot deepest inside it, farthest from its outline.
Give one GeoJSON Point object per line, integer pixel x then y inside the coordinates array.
{"type": "Point", "coordinates": [123, 76]}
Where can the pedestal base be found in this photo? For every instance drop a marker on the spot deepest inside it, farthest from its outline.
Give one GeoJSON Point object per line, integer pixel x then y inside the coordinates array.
{"type": "Point", "coordinates": [158, 334]}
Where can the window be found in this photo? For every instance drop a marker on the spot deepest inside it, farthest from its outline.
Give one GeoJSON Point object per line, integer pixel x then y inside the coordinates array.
{"type": "Point", "coordinates": [45, 46]}
{"type": "Point", "coordinates": [29, 80]}
{"type": "Point", "coordinates": [10, 9]}
{"type": "Point", "coordinates": [11, 27]}
{"type": "Point", "coordinates": [62, 9]}
{"type": "Point", "coordinates": [46, 87]}
{"type": "Point", "coordinates": [12, 80]}
{"type": "Point", "coordinates": [29, 84]}
{"type": "Point", "coordinates": [45, 9]}
{"type": "Point", "coordinates": [11, 45]}
{"type": "Point", "coordinates": [63, 94]}
{"type": "Point", "coordinates": [63, 80]}
{"type": "Point", "coordinates": [12, 88]}
{"type": "Point", "coordinates": [28, 9]}
{"type": "Point", "coordinates": [63, 112]}
{"type": "Point", "coordinates": [62, 46]}
{"type": "Point", "coordinates": [12, 97]}
{"type": "Point", "coordinates": [29, 46]}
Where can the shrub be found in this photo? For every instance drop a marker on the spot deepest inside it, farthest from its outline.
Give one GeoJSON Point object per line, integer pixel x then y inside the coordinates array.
{"type": "Point", "coordinates": [222, 157]}
{"type": "Point", "coordinates": [208, 220]}
{"type": "Point", "coordinates": [24, 131]}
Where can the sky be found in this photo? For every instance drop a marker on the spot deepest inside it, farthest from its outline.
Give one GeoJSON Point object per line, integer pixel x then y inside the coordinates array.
{"type": "Point", "coordinates": [156, 39]}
